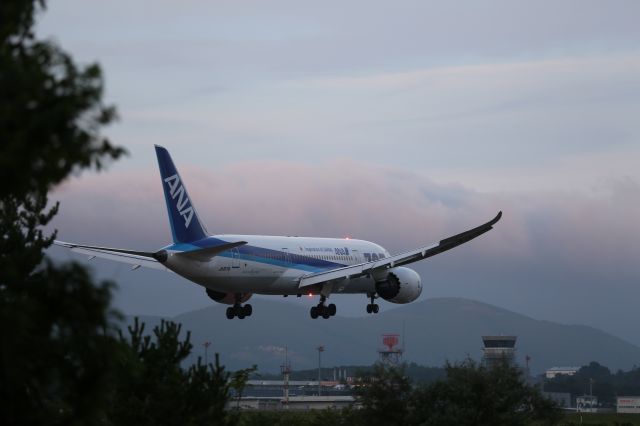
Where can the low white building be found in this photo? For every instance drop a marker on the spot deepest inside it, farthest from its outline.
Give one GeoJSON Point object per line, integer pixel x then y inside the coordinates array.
{"type": "Point", "coordinates": [557, 371]}
{"type": "Point", "coordinates": [320, 402]}
{"type": "Point", "coordinates": [295, 403]}
{"type": "Point", "coordinates": [628, 404]}
{"type": "Point", "coordinates": [587, 404]}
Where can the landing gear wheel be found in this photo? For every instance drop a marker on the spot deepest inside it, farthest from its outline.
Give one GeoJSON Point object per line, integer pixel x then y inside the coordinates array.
{"type": "Point", "coordinates": [372, 307]}
{"type": "Point", "coordinates": [325, 314]}
{"type": "Point", "coordinates": [230, 312]}
{"type": "Point", "coordinates": [314, 312]}
{"type": "Point", "coordinates": [247, 310]}
{"type": "Point", "coordinates": [241, 313]}
{"type": "Point", "coordinates": [332, 309]}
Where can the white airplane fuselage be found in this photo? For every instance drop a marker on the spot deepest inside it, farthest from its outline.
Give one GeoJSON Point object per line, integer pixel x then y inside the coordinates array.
{"type": "Point", "coordinates": [274, 264]}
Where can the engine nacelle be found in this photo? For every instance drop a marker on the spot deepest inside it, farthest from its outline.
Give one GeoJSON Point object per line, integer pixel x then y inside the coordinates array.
{"type": "Point", "coordinates": [227, 298]}
{"type": "Point", "coordinates": [402, 285]}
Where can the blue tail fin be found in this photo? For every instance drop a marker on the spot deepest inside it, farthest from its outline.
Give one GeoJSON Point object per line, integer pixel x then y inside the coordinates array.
{"type": "Point", "coordinates": [185, 224]}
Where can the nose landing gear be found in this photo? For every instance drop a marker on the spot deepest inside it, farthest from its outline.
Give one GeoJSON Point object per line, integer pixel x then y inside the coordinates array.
{"type": "Point", "coordinates": [372, 308]}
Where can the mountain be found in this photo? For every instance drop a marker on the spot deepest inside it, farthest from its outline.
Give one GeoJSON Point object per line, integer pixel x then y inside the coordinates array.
{"type": "Point", "coordinates": [436, 330]}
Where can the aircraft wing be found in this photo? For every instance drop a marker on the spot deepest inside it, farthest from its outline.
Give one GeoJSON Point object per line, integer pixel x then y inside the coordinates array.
{"type": "Point", "coordinates": [355, 271]}
{"type": "Point", "coordinates": [136, 258]}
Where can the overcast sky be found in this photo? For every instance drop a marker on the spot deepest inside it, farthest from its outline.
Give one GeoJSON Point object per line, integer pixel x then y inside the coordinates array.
{"type": "Point", "coordinates": [398, 122]}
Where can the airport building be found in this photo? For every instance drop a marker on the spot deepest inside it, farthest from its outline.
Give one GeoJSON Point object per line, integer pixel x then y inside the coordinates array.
{"type": "Point", "coordinates": [587, 404]}
{"type": "Point", "coordinates": [276, 388]}
{"type": "Point", "coordinates": [292, 395]}
{"type": "Point", "coordinates": [560, 371]}
{"type": "Point", "coordinates": [295, 402]}
{"type": "Point", "coordinates": [498, 349]}
{"type": "Point", "coordinates": [628, 404]}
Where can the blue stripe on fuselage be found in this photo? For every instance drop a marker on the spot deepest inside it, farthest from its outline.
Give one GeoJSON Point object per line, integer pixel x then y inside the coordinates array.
{"type": "Point", "coordinates": [261, 255]}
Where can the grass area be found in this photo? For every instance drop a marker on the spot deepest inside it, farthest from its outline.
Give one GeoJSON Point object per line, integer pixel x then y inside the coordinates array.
{"type": "Point", "coordinates": [601, 419]}
{"type": "Point", "coordinates": [314, 417]}
{"type": "Point", "coordinates": [290, 418]}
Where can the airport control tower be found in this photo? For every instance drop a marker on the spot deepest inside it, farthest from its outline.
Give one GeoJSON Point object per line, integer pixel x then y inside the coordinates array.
{"type": "Point", "coordinates": [498, 349]}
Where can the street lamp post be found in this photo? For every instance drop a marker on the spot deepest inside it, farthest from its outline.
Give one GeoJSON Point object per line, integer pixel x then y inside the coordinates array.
{"type": "Point", "coordinates": [320, 350]}
{"type": "Point", "coordinates": [206, 354]}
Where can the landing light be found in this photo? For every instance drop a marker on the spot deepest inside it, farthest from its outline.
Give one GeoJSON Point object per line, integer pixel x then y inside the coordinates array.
{"type": "Point", "coordinates": [310, 294]}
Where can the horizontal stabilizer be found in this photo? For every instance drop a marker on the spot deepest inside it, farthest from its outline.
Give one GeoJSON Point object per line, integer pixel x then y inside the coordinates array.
{"type": "Point", "coordinates": [205, 254]}
{"type": "Point", "coordinates": [141, 258]}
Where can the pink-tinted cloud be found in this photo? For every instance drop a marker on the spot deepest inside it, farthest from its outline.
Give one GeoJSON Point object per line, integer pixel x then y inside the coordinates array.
{"type": "Point", "coordinates": [396, 208]}
{"type": "Point", "coordinates": [339, 199]}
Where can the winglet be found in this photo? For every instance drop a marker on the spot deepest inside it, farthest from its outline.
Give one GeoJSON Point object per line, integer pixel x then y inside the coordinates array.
{"type": "Point", "coordinates": [495, 219]}
{"type": "Point", "coordinates": [469, 235]}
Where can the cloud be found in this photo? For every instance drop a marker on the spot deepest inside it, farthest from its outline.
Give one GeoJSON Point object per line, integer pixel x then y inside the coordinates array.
{"type": "Point", "coordinates": [273, 350]}
{"type": "Point", "coordinates": [536, 124]}
{"type": "Point", "coordinates": [556, 250]}
{"type": "Point", "coordinates": [337, 199]}
{"type": "Point", "coordinates": [397, 208]}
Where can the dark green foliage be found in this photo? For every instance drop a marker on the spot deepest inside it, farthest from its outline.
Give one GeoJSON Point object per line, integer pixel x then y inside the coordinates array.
{"type": "Point", "coordinates": [606, 386]}
{"type": "Point", "coordinates": [51, 114]}
{"type": "Point", "coordinates": [475, 395]}
{"type": "Point", "coordinates": [384, 395]}
{"type": "Point", "coordinates": [424, 375]}
{"type": "Point", "coordinates": [328, 417]}
{"type": "Point", "coordinates": [239, 381]}
{"type": "Point", "coordinates": [61, 360]}
{"type": "Point", "coordinates": [151, 388]}
{"type": "Point", "coordinates": [601, 419]}
{"type": "Point", "coordinates": [56, 352]}
{"type": "Point", "coordinates": [55, 323]}
{"type": "Point", "coordinates": [469, 395]}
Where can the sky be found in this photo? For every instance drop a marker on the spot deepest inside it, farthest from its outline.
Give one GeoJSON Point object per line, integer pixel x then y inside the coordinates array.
{"type": "Point", "coordinates": [397, 122]}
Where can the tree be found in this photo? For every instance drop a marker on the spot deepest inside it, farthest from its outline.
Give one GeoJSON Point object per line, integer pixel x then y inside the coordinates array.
{"type": "Point", "coordinates": [595, 378]}
{"type": "Point", "coordinates": [151, 387]}
{"type": "Point", "coordinates": [384, 395]}
{"type": "Point", "coordinates": [55, 323]}
{"type": "Point", "coordinates": [476, 395]}
{"type": "Point", "coordinates": [470, 394]}
{"type": "Point", "coordinates": [239, 381]}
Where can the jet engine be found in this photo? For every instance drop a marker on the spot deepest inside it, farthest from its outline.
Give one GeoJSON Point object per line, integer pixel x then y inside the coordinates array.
{"type": "Point", "coordinates": [402, 285]}
{"type": "Point", "coordinates": [227, 298]}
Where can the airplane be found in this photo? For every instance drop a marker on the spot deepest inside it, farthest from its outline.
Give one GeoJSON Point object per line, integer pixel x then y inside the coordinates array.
{"type": "Point", "coordinates": [232, 268]}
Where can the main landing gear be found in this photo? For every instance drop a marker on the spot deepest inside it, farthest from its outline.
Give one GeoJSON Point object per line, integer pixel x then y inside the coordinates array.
{"type": "Point", "coordinates": [372, 308]}
{"type": "Point", "coordinates": [322, 310]}
{"type": "Point", "coordinates": [238, 310]}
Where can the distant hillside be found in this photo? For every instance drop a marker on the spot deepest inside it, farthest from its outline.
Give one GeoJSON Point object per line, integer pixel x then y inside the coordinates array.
{"type": "Point", "coordinates": [436, 329]}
